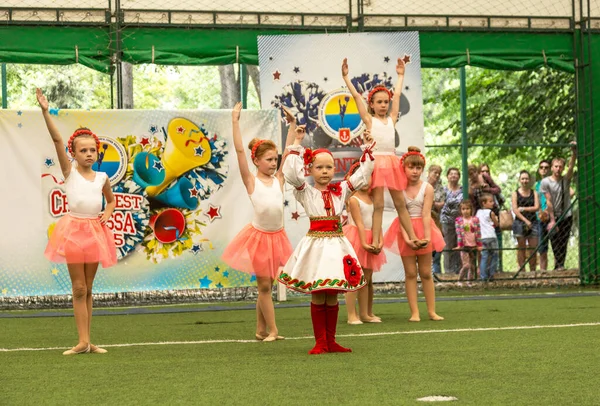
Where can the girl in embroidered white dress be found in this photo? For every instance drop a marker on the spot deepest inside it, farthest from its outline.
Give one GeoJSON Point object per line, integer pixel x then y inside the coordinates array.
{"type": "Point", "coordinates": [324, 262]}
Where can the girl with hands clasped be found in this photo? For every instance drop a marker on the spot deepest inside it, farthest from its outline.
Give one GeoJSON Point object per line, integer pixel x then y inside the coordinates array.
{"type": "Point", "coordinates": [81, 237]}
{"type": "Point", "coordinates": [419, 199]}
{"type": "Point", "coordinates": [324, 262]}
{"type": "Point", "coordinates": [262, 246]}
{"type": "Point", "coordinates": [388, 172]}
{"type": "Point", "coordinates": [358, 232]}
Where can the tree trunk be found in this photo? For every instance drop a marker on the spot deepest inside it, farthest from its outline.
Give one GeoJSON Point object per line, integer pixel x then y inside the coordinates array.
{"type": "Point", "coordinates": [255, 76]}
{"type": "Point", "coordinates": [127, 70]}
{"type": "Point", "coordinates": [230, 86]}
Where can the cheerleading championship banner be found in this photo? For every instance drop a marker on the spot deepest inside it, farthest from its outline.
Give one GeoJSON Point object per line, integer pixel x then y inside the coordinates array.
{"type": "Point", "coordinates": [179, 197]}
{"type": "Point", "coordinates": [303, 73]}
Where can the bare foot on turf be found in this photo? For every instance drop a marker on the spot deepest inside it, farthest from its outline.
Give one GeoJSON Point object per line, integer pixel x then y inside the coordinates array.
{"type": "Point", "coordinates": [374, 317]}
{"type": "Point", "coordinates": [370, 319]}
{"type": "Point", "coordinates": [435, 317]}
{"type": "Point", "coordinates": [415, 319]}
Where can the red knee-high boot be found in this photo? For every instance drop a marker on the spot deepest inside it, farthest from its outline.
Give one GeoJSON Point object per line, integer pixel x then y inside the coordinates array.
{"type": "Point", "coordinates": [331, 326]}
{"type": "Point", "coordinates": [318, 315]}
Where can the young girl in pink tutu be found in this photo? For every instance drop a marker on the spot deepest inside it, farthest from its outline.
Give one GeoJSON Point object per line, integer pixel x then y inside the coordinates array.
{"type": "Point", "coordinates": [358, 232]}
{"type": "Point", "coordinates": [468, 236]}
{"type": "Point", "coordinates": [324, 262]}
{"type": "Point", "coordinates": [81, 237]}
{"type": "Point", "coordinates": [262, 246]}
{"type": "Point", "coordinates": [419, 199]}
{"type": "Point", "coordinates": [388, 173]}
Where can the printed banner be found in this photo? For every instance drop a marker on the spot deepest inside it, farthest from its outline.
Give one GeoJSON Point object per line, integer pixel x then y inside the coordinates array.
{"type": "Point", "coordinates": [303, 73]}
{"type": "Point", "coordinates": [179, 197]}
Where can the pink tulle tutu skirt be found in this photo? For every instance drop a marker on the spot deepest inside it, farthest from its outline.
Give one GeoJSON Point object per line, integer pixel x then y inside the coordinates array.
{"type": "Point", "coordinates": [365, 259]}
{"type": "Point", "coordinates": [76, 240]}
{"type": "Point", "coordinates": [388, 173]}
{"type": "Point", "coordinates": [257, 252]}
{"type": "Point", "coordinates": [394, 241]}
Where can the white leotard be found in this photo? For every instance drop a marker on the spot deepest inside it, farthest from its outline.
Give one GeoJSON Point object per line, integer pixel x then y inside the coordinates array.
{"type": "Point", "coordinates": [366, 212]}
{"type": "Point", "coordinates": [84, 196]}
{"type": "Point", "coordinates": [268, 205]}
{"type": "Point", "coordinates": [384, 136]}
{"type": "Point", "coordinates": [415, 206]}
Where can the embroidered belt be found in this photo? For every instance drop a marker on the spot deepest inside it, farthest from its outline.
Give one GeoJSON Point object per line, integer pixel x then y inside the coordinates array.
{"type": "Point", "coordinates": [325, 227]}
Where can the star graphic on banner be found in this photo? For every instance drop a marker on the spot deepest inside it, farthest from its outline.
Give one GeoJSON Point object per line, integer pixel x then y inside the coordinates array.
{"type": "Point", "coordinates": [196, 248]}
{"type": "Point", "coordinates": [54, 271]}
{"type": "Point", "coordinates": [4, 291]}
{"type": "Point", "coordinates": [295, 216]}
{"type": "Point", "coordinates": [219, 286]}
{"type": "Point", "coordinates": [20, 125]}
{"type": "Point", "coordinates": [217, 269]}
{"type": "Point", "coordinates": [386, 59]}
{"type": "Point", "coordinates": [49, 162]}
{"type": "Point", "coordinates": [406, 58]}
{"type": "Point", "coordinates": [226, 274]}
{"type": "Point", "coordinates": [276, 75]}
{"type": "Point", "coordinates": [145, 141]}
{"type": "Point", "coordinates": [205, 282]}
{"type": "Point", "coordinates": [406, 88]}
{"type": "Point", "coordinates": [270, 58]}
{"type": "Point", "coordinates": [158, 166]}
{"type": "Point", "coordinates": [286, 202]}
{"type": "Point", "coordinates": [19, 113]}
{"type": "Point", "coordinates": [193, 192]}
{"type": "Point", "coordinates": [153, 129]}
{"type": "Point", "coordinates": [181, 129]}
{"type": "Point", "coordinates": [214, 212]}
{"type": "Point", "coordinates": [296, 69]}
{"type": "Point", "coordinates": [198, 151]}
{"type": "Point", "coordinates": [325, 79]}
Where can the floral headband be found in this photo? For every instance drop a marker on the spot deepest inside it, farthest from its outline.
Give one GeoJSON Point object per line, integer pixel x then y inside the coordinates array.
{"type": "Point", "coordinates": [378, 89]}
{"type": "Point", "coordinates": [412, 153]}
{"type": "Point", "coordinates": [309, 155]}
{"type": "Point", "coordinates": [82, 131]}
{"type": "Point", "coordinates": [254, 148]}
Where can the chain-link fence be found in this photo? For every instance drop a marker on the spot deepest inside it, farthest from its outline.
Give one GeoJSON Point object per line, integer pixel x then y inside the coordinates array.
{"type": "Point", "coordinates": [517, 123]}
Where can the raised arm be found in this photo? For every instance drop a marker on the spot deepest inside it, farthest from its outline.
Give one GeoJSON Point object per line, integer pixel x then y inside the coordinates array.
{"type": "Point", "coordinates": [293, 167]}
{"type": "Point", "coordinates": [360, 104]}
{"type": "Point", "coordinates": [63, 159]}
{"type": "Point", "coordinates": [247, 177]}
{"type": "Point", "coordinates": [291, 120]}
{"type": "Point", "coordinates": [400, 68]}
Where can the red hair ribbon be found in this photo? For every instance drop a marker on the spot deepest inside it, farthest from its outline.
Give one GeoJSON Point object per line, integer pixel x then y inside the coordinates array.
{"type": "Point", "coordinates": [254, 148]}
{"type": "Point", "coordinates": [378, 89]}
{"type": "Point", "coordinates": [77, 133]}
{"type": "Point", "coordinates": [309, 155]}
{"type": "Point", "coordinates": [412, 153]}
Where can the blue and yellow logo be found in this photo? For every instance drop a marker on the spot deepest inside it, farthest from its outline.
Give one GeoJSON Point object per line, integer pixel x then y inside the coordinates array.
{"type": "Point", "coordinates": [339, 117]}
{"type": "Point", "coordinates": [112, 159]}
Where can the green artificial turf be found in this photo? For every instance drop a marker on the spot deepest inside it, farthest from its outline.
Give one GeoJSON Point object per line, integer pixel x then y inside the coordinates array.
{"type": "Point", "coordinates": [557, 366]}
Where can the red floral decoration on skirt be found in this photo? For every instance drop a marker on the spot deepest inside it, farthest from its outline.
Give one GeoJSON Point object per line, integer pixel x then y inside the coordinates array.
{"type": "Point", "coordinates": [352, 270]}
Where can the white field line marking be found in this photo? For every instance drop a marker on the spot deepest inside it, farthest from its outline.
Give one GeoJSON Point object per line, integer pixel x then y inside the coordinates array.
{"type": "Point", "coordinates": [383, 333]}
